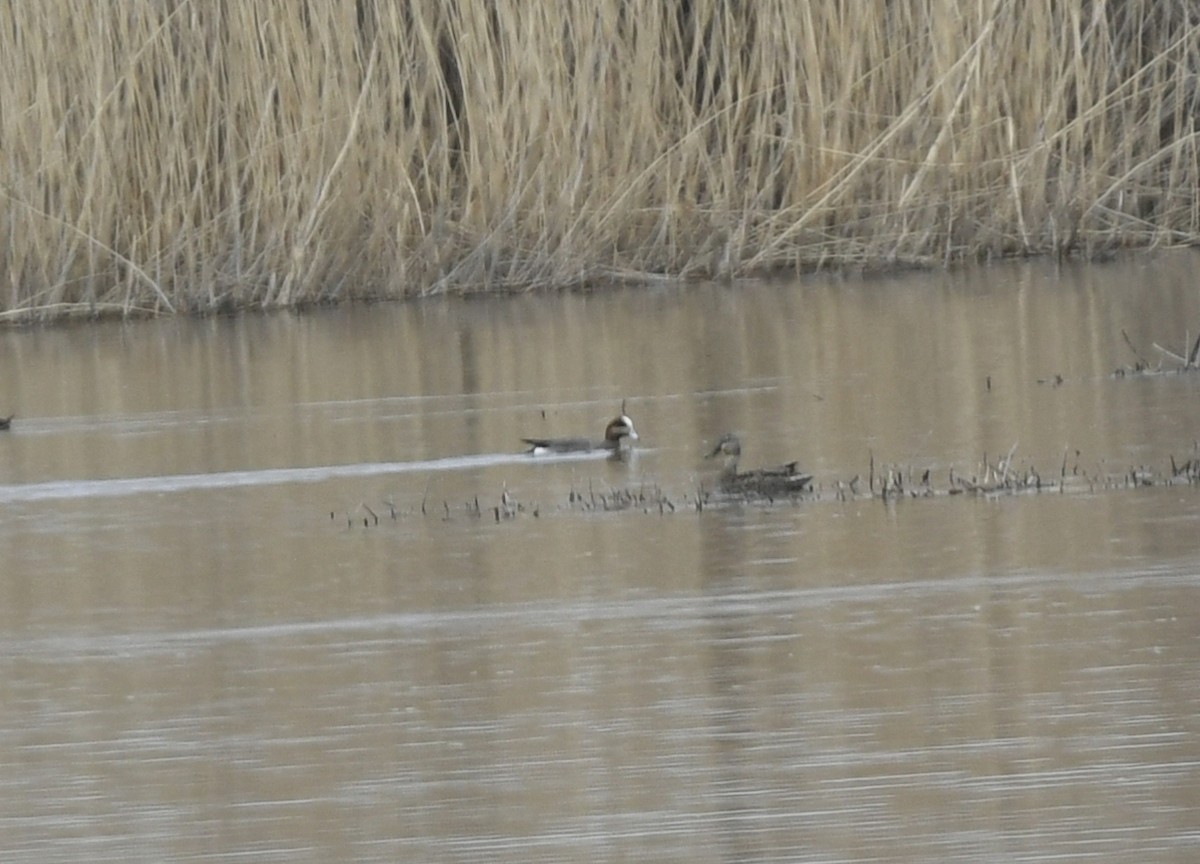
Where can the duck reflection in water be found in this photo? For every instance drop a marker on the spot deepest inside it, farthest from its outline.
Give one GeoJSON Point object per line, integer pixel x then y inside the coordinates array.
{"type": "Point", "coordinates": [761, 482]}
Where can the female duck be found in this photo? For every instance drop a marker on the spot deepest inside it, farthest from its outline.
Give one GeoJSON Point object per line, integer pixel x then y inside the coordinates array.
{"type": "Point", "coordinates": [616, 433]}
{"type": "Point", "coordinates": [764, 482]}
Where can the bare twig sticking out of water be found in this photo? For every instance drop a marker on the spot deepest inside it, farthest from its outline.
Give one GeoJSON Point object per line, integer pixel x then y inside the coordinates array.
{"type": "Point", "coordinates": [1007, 463]}
{"type": "Point", "coordinates": [1063, 470]}
{"type": "Point", "coordinates": [1188, 360]}
{"type": "Point", "coordinates": [1169, 353]}
{"type": "Point", "coordinates": [1005, 477]}
{"type": "Point", "coordinates": [647, 499]}
{"type": "Point", "coordinates": [1140, 362]}
{"type": "Point", "coordinates": [1189, 471]}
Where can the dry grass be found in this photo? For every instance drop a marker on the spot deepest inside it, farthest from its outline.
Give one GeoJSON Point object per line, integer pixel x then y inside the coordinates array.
{"type": "Point", "coordinates": [167, 155]}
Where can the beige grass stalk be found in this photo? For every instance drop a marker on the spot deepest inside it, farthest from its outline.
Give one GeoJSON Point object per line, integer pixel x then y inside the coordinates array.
{"type": "Point", "coordinates": [190, 156]}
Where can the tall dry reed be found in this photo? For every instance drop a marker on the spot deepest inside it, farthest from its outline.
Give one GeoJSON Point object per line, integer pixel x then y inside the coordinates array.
{"type": "Point", "coordinates": [177, 155]}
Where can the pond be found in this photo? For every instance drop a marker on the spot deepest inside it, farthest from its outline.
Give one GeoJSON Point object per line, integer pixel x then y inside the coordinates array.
{"type": "Point", "coordinates": [288, 588]}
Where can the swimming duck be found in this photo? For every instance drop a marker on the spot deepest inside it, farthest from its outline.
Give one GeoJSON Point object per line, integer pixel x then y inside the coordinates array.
{"type": "Point", "coordinates": [616, 432]}
{"type": "Point", "coordinates": [6, 422]}
{"type": "Point", "coordinates": [765, 482]}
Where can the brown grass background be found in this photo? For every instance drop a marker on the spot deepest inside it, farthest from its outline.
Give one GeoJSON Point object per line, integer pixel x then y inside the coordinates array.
{"type": "Point", "coordinates": [184, 156]}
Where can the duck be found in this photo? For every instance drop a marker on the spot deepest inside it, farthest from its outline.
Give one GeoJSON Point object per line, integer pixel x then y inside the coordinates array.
{"type": "Point", "coordinates": [762, 482]}
{"type": "Point", "coordinates": [6, 422]}
{"type": "Point", "coordinates": [616, 433]}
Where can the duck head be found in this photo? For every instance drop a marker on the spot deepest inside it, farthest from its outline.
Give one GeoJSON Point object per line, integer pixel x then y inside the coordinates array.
{"type": "Point", "coordinates": [728, 446]}
{"type": "Point", "coordinates": [618, 429]}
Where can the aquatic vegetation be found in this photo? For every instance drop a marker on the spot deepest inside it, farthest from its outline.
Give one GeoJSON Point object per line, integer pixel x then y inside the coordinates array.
{"type": "Point", "coordinates": [1186, 361]}
{"type": "Point", "coordinates": [887, 483]}
{"type": "Point", "coordinates": [207, 157]}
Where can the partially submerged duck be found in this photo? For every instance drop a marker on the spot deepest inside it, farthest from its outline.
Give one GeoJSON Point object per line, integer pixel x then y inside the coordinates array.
{"type": "Point", "coordinates": [6, 422]}
{"type": "Point", "coordinates": [764, 482]}
{"type": "Point", "coordinates": [616, 433]}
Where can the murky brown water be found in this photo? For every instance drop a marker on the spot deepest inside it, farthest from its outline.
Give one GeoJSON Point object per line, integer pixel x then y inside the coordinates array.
{"type": "Point", "coordinates": [198, 663]}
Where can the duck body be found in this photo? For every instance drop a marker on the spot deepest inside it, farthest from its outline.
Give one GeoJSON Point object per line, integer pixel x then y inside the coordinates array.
{"type": "Point", "coordinates": [777, 482]}
{"type": "Point", "coordinates": [616, 433]}
{"type": "Point", "coordinates": [6, 422]}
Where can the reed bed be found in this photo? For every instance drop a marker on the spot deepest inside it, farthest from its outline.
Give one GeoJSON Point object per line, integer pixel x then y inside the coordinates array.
{"type": "Point", "coordinates": [180, 156]}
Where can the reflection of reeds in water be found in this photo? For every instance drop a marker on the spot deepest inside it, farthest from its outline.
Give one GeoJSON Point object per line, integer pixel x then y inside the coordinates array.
{"type": "Point", "coordinates": [179, 156]}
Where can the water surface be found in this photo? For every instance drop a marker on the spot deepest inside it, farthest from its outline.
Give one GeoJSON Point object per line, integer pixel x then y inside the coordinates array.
{"type": "Point", "coordinates": [256, 600]}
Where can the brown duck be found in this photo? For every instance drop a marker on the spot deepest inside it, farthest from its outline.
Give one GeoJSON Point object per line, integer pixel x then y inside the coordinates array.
{"type": "Point", "coordinates": [762, 482]}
